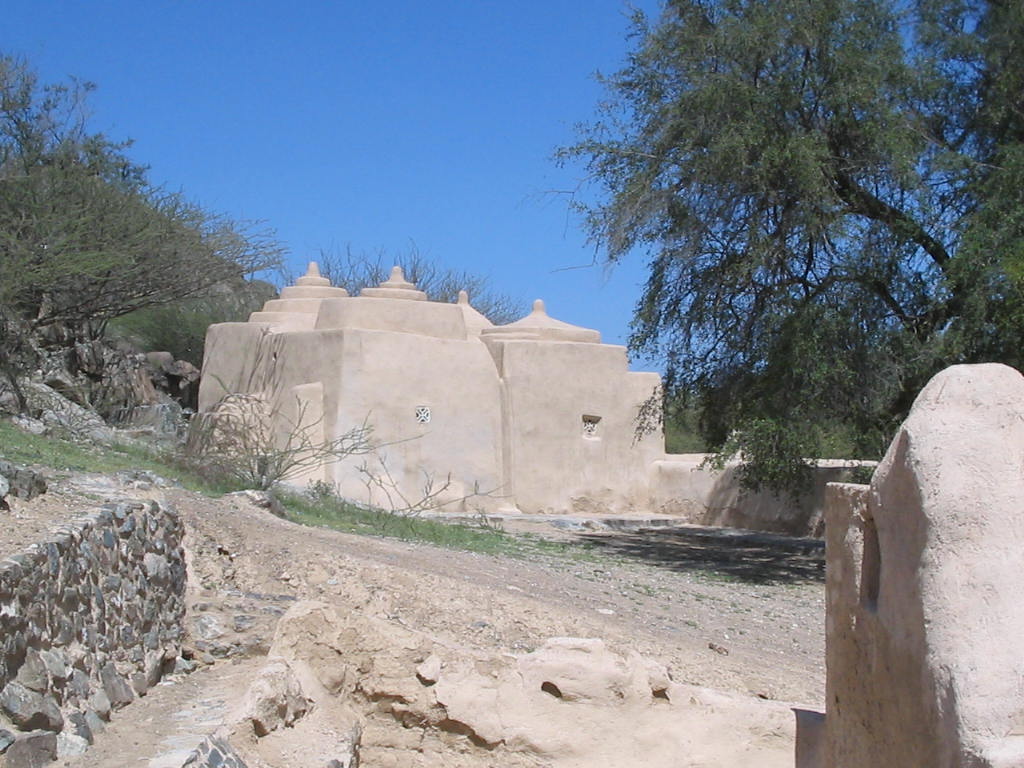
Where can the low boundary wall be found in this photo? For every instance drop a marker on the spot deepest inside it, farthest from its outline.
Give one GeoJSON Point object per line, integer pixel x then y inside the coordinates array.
{"type": "Point", "coordinates": [682, 486]}
{"type": "Point", "coordinates": [88, 620]}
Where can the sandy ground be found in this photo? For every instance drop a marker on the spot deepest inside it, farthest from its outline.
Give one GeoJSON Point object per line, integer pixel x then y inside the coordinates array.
{"type": "Point", "coordinates": [736, 612]}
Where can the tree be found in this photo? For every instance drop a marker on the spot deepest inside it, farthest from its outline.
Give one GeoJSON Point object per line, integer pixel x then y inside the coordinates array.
{"type": "Point", "coordinates": [180, 327]}
{"type": "Point", "coordinates": [84, 237]}
{"type": "Point", "coordinates": [355, 271]}
{"type": "Point", "coordinates": [829, 193]}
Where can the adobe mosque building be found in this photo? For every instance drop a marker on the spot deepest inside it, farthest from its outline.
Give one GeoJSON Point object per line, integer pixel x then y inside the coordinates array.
{"type": "Point", "coordinates": [537, 416]}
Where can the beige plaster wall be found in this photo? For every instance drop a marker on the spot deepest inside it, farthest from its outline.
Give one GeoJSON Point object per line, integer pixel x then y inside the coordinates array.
{"type": "Point", "coordinates": [681, 486]}
{"type": "Point", "coordinates": [422, 318]}
{"type": "Point", "coordinates": [549, 387]}
{"type": "Point", "coordinates": [232, 361]}
{"type": "Point", "coordinates": [383, 378]}
{"type": "Point", "coordinates": [924, 616]}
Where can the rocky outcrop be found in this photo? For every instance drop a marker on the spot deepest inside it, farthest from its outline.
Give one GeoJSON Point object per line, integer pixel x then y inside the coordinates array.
{"type": "Point", "coordinates": [88, 621]}
{"type": "Point", "coordinates": [571, 702]}
{"type": "Point", "coordinates": [20, 482]}
{"type": "Point", "coordinates": [78, 390]}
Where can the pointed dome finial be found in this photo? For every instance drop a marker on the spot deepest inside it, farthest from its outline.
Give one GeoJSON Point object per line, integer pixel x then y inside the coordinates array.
{"type": "Point", "coordinates": [397, 279]}
{"type": "Point", "coordinates": [313, 277]}
{"type": "Point", "coordinates": [395, 287]}
{"type": "Point", "coordinates": [463, 297]}
{"type": "Point", "coordinates": [538, 307]}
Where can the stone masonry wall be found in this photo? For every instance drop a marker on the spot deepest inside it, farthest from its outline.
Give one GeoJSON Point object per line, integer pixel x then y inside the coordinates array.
{"type": "Point", "coordinates": [88, 621]}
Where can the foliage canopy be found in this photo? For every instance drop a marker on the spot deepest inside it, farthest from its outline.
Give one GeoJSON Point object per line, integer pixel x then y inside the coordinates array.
{"type": "Point", "coordinates": [830, 196]}
{"type": "Point", "coordinates": [84, 237]}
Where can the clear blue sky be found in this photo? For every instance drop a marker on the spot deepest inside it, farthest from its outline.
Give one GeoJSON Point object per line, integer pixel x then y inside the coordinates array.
{"type": "Point", "coordinates": [376, 125]}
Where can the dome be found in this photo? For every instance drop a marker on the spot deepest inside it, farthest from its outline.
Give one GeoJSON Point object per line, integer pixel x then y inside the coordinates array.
{"type": "Point", "coordinates": [539, 326]}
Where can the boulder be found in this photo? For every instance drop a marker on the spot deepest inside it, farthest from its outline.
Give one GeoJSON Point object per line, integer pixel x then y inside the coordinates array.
{"type": "Point", "coordinates": [32, 750]}
{"type": "Point", "coordinates": [262, 499]}
{"type": "Point", "coordinates": [70, 745]}
{"type": "Point", "coordinates": [33, 673]}
{"type": "Point", "coordinates": [274, 700]}
{"type": "Point", "coordinates": [24, 483]}
{"type": "Point", "coordinates": [29, 709]}
{"type": "Point", "coordinates": [116, 687]}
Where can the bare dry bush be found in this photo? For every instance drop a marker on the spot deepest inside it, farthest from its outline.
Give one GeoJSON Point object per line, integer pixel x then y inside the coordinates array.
{"type": "Point", "coordinates": [243, 439]}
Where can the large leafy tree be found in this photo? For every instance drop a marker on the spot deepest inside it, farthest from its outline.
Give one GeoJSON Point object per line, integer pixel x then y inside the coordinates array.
{"type": "Point", "coordinates": [84, 237]}
{"type": "Point", "coordinates": [830, 196]}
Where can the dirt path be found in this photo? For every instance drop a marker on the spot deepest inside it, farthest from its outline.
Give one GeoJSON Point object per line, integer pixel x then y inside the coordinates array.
{"type": "Point", "coordinates": [720, 609]}
{"type": "Point", "coordinates": [161, 729]}
{"type": "Point", "coordinates": [758, 600]}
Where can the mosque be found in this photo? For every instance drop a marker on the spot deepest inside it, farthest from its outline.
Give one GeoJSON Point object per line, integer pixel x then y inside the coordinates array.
{"type": "Point", "coordinates": [537, 416]}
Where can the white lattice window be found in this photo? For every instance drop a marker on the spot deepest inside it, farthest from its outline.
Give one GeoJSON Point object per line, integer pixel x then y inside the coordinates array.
{"type": "Point", "coordinates": [590, 425]}
{"type": "Point", "coordinates": [423, 414]}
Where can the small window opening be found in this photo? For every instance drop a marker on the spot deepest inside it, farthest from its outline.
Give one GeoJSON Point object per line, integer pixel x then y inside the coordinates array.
{"type": "Point", "coordinates": [590, 425]}
{"type": "Point", "coordinates": [870, 567]}
{"type": "Point", "coordinates": [550, 688]}
{"type": "Point", "coordinates": [423, 414]}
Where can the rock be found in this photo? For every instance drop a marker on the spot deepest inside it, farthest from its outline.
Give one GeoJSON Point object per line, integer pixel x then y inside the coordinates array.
{"type": "Point", "coordinates": [32, 750]}
{"type": "Point", "coordinates": [6, 739]}
{"type": "Point", "coordinates": [99, 703]}
{"type": "Point", "coordinates": [70, 745]}
{"type": "Point", "coordinates": [94, 722]}
{"type": "Point", "coordinates": [274, 700]}
{"type": "Point", "coordinates": [116, 687]}
{"type": "Point", "coordinates": [80, 684]}
{"type": "Point", "coordinates": [56, 665]}
{"type": "Point", "coordinates": [263, 500]}
{"type": "Point", "coordinates": [183, 666]}
{"type": "Point", "coordinates": [139, 684]}
{"type": "Point", "coordinates": [178, 378]}
{"type": "Point", "coordinates": [157, 568]}
{"type": "Point", "coordinates": [208, 627]}
{"type": "Point", "coordinates": [62, 415]}
{"type": "Point", "coordinates": [154, 666]}
{"type": "Point", "coordinates": [144, 479]}
{"type": "Point", "coordinates": [214, 752]}
{"type": "Point", "coordinates": [429, 672]}
{"type": "Point", "coordinates": [5, 488]}
{"type": "Point", "coordinates": [28, 424]}
{"type": "Point", "coordinates": [33, 673]}
{"type": "Point", "coordinates": [78, 723]}
{"type": "Point", "coordinates": [160, 361]}
{"type": "Point", "coordinates": [348, 749]}
{"type": "Point", "coordinates": [30, 710]}
{"type": "Point", "coordinates": [24, 483]}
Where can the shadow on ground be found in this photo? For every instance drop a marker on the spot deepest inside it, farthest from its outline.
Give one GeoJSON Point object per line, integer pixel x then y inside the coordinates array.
{"type": "Point", "coordinates": [757, 558]}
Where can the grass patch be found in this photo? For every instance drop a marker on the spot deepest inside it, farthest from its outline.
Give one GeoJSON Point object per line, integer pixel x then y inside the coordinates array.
{"type": "Point", "coordinates": [341, 515]}
{"type": "Point", "coordinates": [23, 447]}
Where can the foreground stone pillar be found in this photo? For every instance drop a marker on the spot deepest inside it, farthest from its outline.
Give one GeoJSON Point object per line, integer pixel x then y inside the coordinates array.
{"type": "Point", "coordinates": [925, 616]}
